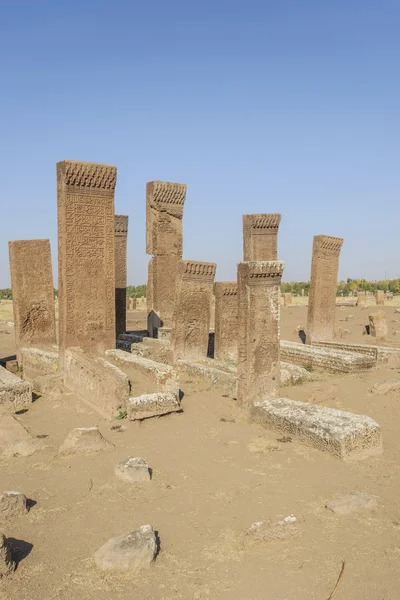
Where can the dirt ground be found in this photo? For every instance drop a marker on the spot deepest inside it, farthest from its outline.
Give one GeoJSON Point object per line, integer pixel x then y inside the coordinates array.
{"type": "Point", "coordinates": [214, 474]}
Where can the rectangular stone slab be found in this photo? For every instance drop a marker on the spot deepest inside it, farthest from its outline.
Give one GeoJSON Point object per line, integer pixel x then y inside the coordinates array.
{"type": "Point", "coordinates": [345, 435]}
{"type": "Point", "coordinates": [14, 392]}
{"type": "Point", "coordinates": [380, 353]}
{"type": "Point", "coordinates": [152, 405]}
{"type": "Point", "coordinates": [97, 382]}
{"type": "Point", "coordinates": [162, 377]}
{"type": "Point", "coordinates": [38, 362]}
{"type": "Point", "coordinates": [332, 360]}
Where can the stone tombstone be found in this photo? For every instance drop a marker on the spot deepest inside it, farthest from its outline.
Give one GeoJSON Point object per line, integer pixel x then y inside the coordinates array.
{"type": "Point", "coordinates": [162, 286]}
{"type": "Point", "coordinates": [362, 300]}
{"type": "Point", "coordinates": [226, 321]}
{"type": "Point", "coordinates": [194, 292]}
{"type": "Point", "coordinates": [378, 325]}
{"type": "Point", "coordinates": [86, 255]}
{"type": "Point", "coordinates": [164, 213]}
{"type": "Point", "coordinates": [380, 297]}
{"type": "Point", "coordinates": [33, 293]}
{"type": "Point", "coordinates": [258, 366]}
{"type": "Point", "coordinates": [323, 286]}
{"type": "Point", "coordinates": [260, 236]}
{"type": "Point", "coordinates": [287, 299]}
{"type": "Point", "coordinates": [121, 236]}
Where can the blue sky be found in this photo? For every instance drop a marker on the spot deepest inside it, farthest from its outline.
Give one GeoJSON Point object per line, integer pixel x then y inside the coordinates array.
{"type": "Point", "coordinates": [259, 106]}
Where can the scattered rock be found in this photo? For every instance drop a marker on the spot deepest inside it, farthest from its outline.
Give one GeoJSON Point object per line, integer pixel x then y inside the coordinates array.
{"type": "Point", "coordinates": [343, 505]}
{"type": "Point", "coordinates": [265, 531]}
{"type": "Point", "coordinates": [397, 310]}
{"type": "Point", "coordinates": [12, 504]}
{"type": "Point", "coordinates": [128, 552]}
{"type": "Point", "coordinates": [385, 387]}
{"type": "Point", "coordinates": [133, 470]}
{"type": "Point", "coordinates": [84, 440]}
{"type": "Point", "coordinates": [349, 317]}
{"type": "Point", "coordinates": [7, 565]}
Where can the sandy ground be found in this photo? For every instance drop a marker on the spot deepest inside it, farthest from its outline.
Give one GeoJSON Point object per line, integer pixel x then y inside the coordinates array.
{"type": "Point", "coordinates": [214, 474]}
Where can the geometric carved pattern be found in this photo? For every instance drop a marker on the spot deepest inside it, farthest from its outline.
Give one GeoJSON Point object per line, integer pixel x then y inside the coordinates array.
{"type": "Point", "coordinates": [226, 321]}
{"type": "Point", "coordinates": [121, 234]}
{"type": "Point", "coordinates": [260, 236]}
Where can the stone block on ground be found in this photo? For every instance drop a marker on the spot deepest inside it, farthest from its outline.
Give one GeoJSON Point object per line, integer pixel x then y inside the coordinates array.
{"type": "Point", "coordinates": [377, 325]}
{"type": "Point", "coordinates": [125, 340]}
{"type": "Point", "coordinates": [158, 377]}
{"type": "Point", "coordinates": [345, 435]}
{"type": "Point", "coordinates": [267, 531]}
{"type": "Point", "coordinates": [100, 384]}
{"type": "Point", "coordinates": [12, 504]}
{"type": "Point", "coordinates": [328, 359]}
{"type": "Point", "coordinates": [48, 383]}
{"type": "Point", "coordinates": [14, 392]}
{"type": "Point", "coordinates": [380, 354]}
{"type": "Point", "coordinates": [128, 552]}
{"type": "Point", "coordinates": [133, 470]}
{"type": "Point", "coordinates": [348, 503]}
{"type": "Point", "coordinates": [152, 405]}
{"type": "Point", "coordinates": [214, 374]}
{"type": "Point", "coordinates": [293, 374]}
{"type": "Point", "coordinates": [37, 362]}
{"type": "Point", "coordinates": [7, 565]}
{"type": "Point", "coordinates": [386, 387]}
{"type": "Point", "coordinates": [84, 440]}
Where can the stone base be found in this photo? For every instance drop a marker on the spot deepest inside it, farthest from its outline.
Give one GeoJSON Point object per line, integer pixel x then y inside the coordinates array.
{"type": "Point", "coordinates": [37, 362]}
{"type": "Point", "coordinates": [100, 384]}
{"type": "Point", "coordinates": [14, 392]}
{"type": "Point", "coordinates": [152, 405]}
{"type": "Point", "coordinates": [379, 353]}
{"type": "Point", "coordinates": [345, 435]}
{"type": "Point", "coordinates": [161, 377]}
{"type": "Point", "coordinates": [334, 361]}
{"type": "Point", "coordinates": [125, 340]}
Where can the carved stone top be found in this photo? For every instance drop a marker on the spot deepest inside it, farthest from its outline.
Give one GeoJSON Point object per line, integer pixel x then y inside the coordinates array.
{"type": "Point", "coordinates": [262, 221]}
{"type": "Point", "coordinates": [161, 193]}
{"type": "Point", "coordinates": [121, 224]}
{"type": "Point", "coordinates": [226, 288]}
{"type": "Point", "coordinates": [327, 242]}
{"type": "Point", "coordinates": [190, 269]}
{"type": "Point", "coordinates": [262, 271]}
{"type": "Point", "coordinates": [87, 175]}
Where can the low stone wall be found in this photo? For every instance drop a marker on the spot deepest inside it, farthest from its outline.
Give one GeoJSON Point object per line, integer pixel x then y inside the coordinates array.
{"type": "Point", "coordinates": [159, 376]}
{"type": "Point", "coordinates": [328, 359]}
{"type": "Point", "coordinates": [37, 362]}
{"type": "Point", "coordinates": [345, 435]}
{"type": "Point", "coordinates": [97, 382]}
{"type": "Point", "coordinates": [14, 392]}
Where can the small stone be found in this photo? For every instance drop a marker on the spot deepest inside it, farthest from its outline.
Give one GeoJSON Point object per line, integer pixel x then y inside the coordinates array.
{"type": "Point", "coordinates": [7, 565]}
{"type": "Point", "coordinates": [385, 387]}
{"type": "Point", "coordinates": [12, 504]}
{"type": "Point", "coordinates": [133, 470]}
{"type": "Point", "coordinates": [84, 440]}
{"type": "Point", "coordinates": [349, 317]}
{"type": "Point", "coordinates": [343, 505]}
{"type": "Point", "coordinates": [397, 310]}
{"type": "Point", "coordinates": [265, 531]}
{"type": "Point", "coordinates": [128, 552]}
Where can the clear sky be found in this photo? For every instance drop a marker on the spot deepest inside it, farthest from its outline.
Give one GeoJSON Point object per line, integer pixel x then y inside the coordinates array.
{"type": "Point", "coordinates": [289, 106]}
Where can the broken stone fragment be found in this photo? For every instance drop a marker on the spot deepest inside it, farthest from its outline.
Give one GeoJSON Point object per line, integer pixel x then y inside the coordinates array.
{"type": "Point", "coordinates": [133, 470]}
{"type": "Point", "coordinates": [84, 440]}
{"type": "Point", "coordinates": [265, 531]}
{"type": "Point", "coordinates": [12, 504]}
{"type": "Point", "coordinates": [343, 505]}
{"type": "Point", "coordinates": [128, 552]}
{"type": "Point", "coordinates": [385, 387]}
{"type": "Point", "coordinates": [7, 565]}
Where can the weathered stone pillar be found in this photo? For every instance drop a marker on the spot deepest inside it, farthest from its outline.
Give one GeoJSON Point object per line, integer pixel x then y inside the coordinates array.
{"type": "Point", "coordinates": [378, 326]}
{"type": "Point", "coordinates": [86, 255]}
{"type": "Point", "coordinates": [226, 321]}
{"type": "Point", "coordinates": [380, 297]}
{"type": "Point", "coordinates": [258, 340]}
{"type": "Point", "coordinates": [287, 299]}
{"type": "Point", "coordinates": [260, 236]}
{"type": "Point", "coordinates": [164, 213]}
{"type": "Point", "coordinates": [323, 286]}
{"type": "Point", "coordinates": [194, 291]}
{"type": "Point", "coordinates": [33, 294]}
{"type": "Point", "coordinates": [121, 235]}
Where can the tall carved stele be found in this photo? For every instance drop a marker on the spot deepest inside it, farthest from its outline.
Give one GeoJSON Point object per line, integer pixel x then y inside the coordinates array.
{"type": "Point", "coordinates": [260, 236]}
{"type": "Point", "coordinates": [226, 321]}
{"type": "Point", "coordinates": [121, 236]}
{"type": "Point", "coordinates": [164, 212]}
{"type": "Point", "coordinates": [194, 292]}
{"type": "Point", "coordinates": [323, 286]}
{"type": "Point", "coordinates": [86, 255]}
{"type": "Point", "coordinates": [33, 294]}
{"type": "Point", "coordinates": [258, 365]}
